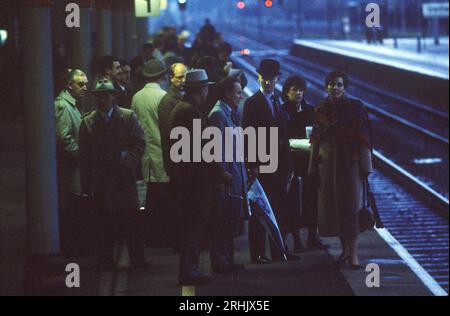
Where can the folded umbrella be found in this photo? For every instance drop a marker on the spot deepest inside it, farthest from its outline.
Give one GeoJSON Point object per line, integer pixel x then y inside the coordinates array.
{"type": "Point", "coordinates": [261, 208]}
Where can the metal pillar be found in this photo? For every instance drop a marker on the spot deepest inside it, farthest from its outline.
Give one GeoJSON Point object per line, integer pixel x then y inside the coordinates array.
{"type": "Point", "coordinates": [43, 261]}
{"type": "Point", "coordinates": [330, 15]}
{"type": "Point", "coordinates": [142, 30]}
{"type": "Point", "coordinates": [131, 37]}
{"type": "Point", "coordinates": [118, 39]}
{"type": "Point", "coordinates": [104, 27]}
{"type": "Point", "coordinates": [82, 40]}
{"type": "Point", "coordinates": [419, 26]}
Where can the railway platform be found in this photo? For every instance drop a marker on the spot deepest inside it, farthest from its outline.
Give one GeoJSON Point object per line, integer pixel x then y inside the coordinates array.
{"type": "Point", "coordinates": [315, 275]}
{"type": "Point", "coordinates": [402, 71]}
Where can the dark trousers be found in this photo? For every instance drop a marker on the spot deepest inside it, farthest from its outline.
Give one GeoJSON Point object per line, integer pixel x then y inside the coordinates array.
{"type": "Point", "coordinates": [160, 220]}
{"type": "Point", "coordinates": [68, 225]}
{"type": "Point", "coordinates": [192, 237]}
{"type": "Point", "coordinates": [118, 226]}
{"type": "Point", "coordinates": [221, 234]}
{"type": "Point", "coordinates": [309, 216]}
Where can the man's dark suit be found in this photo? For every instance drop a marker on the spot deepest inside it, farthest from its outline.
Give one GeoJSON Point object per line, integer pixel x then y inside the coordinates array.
{"type": "Point", "coordinates": [124, 96]}
{"type": "Point", "coordinates": [257, 113]}
{"type": "Point", "coordinates": [109, 153]}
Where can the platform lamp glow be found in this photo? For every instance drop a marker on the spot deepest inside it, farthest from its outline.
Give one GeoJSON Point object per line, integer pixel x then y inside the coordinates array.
{"type": "Point", "coordinates": [3, 36]}
{"type": "Point", "coordinates": [182, 4]}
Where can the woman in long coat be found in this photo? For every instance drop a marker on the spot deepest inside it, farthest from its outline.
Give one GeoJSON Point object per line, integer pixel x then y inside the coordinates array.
{"type": "Point", "coordinates": [340, 163]}
{"type": "Point", "coordinates": [300, 115]}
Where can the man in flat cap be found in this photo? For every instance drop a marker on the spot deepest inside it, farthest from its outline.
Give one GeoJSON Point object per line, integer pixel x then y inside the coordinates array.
{"type": "Point", "coordinates": [263, 109]}
{"type": "Point", "coordinates": [111, 146]}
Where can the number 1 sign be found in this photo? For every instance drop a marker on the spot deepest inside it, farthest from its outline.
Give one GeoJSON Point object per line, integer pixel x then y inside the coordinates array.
{"type": "Point", "coordinates": [145, 8]}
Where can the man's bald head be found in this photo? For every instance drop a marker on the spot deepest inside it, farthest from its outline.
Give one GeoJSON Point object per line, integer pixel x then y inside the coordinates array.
{"type": "Point", "coordinates": [177, 73]}
{"type": "Point", "coordinates": [77, 82]}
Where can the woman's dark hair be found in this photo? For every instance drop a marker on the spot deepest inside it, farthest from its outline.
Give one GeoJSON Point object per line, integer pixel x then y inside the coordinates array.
{"type": "Point", "coordinates": [332, 76]}
{"type": "Point", "coordinates": [293, 81]}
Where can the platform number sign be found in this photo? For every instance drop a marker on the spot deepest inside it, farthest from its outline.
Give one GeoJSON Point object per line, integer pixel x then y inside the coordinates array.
{"type": "Point", "coordinates": [145, 8]}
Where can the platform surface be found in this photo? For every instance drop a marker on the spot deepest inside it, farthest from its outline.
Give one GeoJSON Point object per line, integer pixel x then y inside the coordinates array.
{"type": "Point", "coordinates": [432, 62]}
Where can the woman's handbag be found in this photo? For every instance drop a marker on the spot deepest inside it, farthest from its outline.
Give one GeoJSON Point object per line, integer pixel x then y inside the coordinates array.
{"type": "Point", "coordinates": [369, 215]}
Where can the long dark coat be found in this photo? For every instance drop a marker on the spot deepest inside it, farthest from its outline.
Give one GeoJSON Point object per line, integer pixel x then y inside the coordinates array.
{"type": "Point", "coordinates": [167, 104]}
{"type": "Point", "coordinates": [109, 156]}
{"type": "Point", "coordinates": [257, 113]}
{"type": "Point", "coordinates": [341, 156]}
{"type": "Point", "coordinates": [193, 184]}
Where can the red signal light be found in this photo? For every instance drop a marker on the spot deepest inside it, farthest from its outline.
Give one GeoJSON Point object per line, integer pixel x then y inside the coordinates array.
{"type": "Point", "coordinates": [245, 52]}
{"type": "Point", "coordinates": [268, 3]}
{"type": "Point", "coordinates": [240, 5]}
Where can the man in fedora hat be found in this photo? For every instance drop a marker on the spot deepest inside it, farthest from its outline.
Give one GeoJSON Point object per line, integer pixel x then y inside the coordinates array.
{"type": "Point", "coordinates": [111, 145]}
{"type": "Point", "coordinates": [145, 104]}
{"type": "Point", "coordinates": [192, 184]}
{"type": "Point", "coordinates": [263, 110]}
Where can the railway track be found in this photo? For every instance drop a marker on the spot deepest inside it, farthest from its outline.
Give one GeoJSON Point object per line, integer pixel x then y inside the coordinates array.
{"type": "Point", "coordinates": [417, 219]}
{"type": "Point", "coordinates": [423, 153]}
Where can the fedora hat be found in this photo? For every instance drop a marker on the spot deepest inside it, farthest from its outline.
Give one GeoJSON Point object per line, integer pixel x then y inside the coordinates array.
{"type": "Point", "coordinates": [154, 68]}
{"type": "Point", "coordinates": [196, 78]}
{"type": "Point", "coordinates": [103, 85]}
{"type": "Point", "coordinates": [269, 68]}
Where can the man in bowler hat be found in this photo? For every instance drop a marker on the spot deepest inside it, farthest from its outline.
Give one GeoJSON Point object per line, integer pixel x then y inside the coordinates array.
{"type": "Point", "coordinates": [263, 109]}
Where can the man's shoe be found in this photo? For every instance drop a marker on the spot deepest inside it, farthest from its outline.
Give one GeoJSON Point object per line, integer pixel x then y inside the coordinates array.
{"type": "Point", "coordinates": [298, 248]}
{"type": "Point", "coordinates": [262, 260]}
{"type": "Point", "coordinates": [195, 280]}
{"type": "Point", "coordinates": [316, 244]}
{"type": "Point", "coordinates": [238, 267]}
{"type": "Point", "coordinates": [230, 269]}
{"type": "Point", "coordinates": [292, 257]}
{"type": "Point", "coordinates": [139, 265]}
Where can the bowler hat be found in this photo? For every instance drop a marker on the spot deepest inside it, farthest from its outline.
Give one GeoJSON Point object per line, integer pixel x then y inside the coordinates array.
{"type": "Point", "coordinates": [196, 78]}
{"type": "Point", "coordinates": [269, 68]}
{"type": "Point", "coordinates": [103, 85]}
{"type": "Point", "coordinates": [154, 68]}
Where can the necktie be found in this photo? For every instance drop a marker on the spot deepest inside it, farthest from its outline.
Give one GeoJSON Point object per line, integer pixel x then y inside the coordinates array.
{"type": "Point", "coordinates": [234, 118]}
{"type": "Point", "coordinates": [275, 106]}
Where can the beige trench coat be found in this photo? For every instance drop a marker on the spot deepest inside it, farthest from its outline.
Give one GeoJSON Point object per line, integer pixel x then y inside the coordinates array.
{"type": "Point", "coordinates": [145, 104]}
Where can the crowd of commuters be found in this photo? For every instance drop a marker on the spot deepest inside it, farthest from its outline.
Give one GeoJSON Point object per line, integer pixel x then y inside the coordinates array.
{"type": "Point", "coordinates": [126, 136]}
